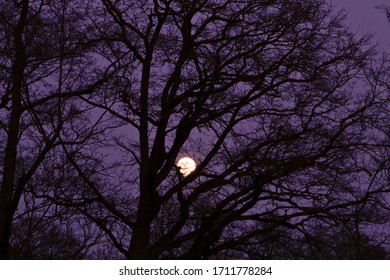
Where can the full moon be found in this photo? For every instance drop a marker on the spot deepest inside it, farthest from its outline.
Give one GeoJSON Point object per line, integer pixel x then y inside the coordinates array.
{"type": "Point", "coordinates": [186, 165]}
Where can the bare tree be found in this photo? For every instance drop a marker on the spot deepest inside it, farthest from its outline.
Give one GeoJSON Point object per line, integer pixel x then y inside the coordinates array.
{"type": "Point", "coordinates": [281, 106]}
{"type": "Point", "coordinates": [272, 99]}
{"type": "Point", "coordinates": [45, 61]}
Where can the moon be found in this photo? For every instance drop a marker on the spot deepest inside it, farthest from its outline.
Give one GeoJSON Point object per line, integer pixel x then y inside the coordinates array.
{"type": "Point", "coordinates": [186, 165]}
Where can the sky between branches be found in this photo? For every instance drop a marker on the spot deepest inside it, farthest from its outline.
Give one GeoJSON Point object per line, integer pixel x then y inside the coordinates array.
{"type": "Point", "coordinates": [364, 17]}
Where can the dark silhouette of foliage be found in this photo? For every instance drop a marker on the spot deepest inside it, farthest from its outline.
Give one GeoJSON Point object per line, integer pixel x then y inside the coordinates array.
{"type": "Point", "coordinates": [283, 108]}
{"type": "Point", "coordinates": [45, 63]}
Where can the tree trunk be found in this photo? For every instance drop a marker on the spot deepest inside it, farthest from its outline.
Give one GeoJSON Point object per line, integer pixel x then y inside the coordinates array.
{"type": "Point", "coordinates": [8, 184]}
{"type": "Point", "coordinates": [140, 239]}
{"type": "Point", "coordinates": [139, 243]}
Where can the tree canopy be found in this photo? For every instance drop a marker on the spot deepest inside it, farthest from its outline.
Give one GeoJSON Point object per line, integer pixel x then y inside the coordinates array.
{"type": "Point", "coordinates": [284, 110]}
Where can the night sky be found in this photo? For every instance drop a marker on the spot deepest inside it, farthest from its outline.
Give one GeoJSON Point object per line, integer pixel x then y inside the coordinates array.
{"type": "Point", "coordinates": [363, 16]}
{"type": "Point", "coordinates": [284, 113]}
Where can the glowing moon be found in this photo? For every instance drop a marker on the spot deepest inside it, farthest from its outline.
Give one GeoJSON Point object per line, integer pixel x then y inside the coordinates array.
{"type": "Point", "coordinates": [186, 165]}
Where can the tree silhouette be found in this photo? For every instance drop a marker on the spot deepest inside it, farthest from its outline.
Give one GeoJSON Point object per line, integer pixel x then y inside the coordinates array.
{"type": "Point", "coordinates": [44, 64]}
{"type": "Point", "coordinates": [281, 106]}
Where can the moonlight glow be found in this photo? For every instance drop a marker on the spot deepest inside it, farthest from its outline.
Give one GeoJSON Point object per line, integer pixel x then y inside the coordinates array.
{"type": "Point", "coordinates": [186, 165]}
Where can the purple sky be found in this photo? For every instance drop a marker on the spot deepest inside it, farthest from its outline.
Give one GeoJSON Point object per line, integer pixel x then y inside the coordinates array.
{"type": "Point", "coordinates": [364, 17]}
